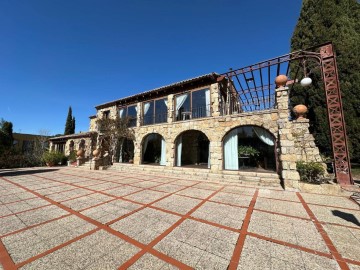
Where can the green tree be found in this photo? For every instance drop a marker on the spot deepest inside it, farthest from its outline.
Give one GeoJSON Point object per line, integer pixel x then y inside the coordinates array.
{"type": "Point", "coordinates": [70, 123]}
{"type": "Point", "coordinates": [6, 134]}
{"type": "Point", "coordinates": [338, 21]}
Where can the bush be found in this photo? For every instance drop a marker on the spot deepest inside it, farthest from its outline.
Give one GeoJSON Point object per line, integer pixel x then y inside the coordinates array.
{"type": "Point", "coordinates": [54, 158]}
{"type": "Point", "coordinates": [311, 172]}
{"type": "Point", "coordinates": [72, 156]}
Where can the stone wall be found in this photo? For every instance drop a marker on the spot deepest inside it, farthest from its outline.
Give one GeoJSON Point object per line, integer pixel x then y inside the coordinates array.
{"type": "Point", "coordinates": [294, 142]}
{"type": "Point", "coordinates": [89, 144]}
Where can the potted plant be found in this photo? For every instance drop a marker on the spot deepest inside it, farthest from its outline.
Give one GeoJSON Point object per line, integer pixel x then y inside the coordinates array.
{"type": "Point", "coordinates": [53, 158]}
{"type": "Point", "coordinates": [247, 151]}
{"type": "Point", "coordinates": [71, 157]}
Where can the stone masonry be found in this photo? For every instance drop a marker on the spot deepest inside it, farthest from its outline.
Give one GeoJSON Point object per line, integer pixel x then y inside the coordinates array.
{"type": "Point", "coordinates": [293, 140]}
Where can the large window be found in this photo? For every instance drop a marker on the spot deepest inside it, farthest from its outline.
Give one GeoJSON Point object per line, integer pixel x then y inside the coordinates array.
{"type": "Point", "coordinates": [130, 112]}
{"type": "Point", "coordinates": [155, 111]}
{"type": "Point", "coordinates": [194, 104]}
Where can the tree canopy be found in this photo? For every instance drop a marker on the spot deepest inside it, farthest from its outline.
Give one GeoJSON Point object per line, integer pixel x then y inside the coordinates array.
{"type": "Point", "coordinates": [6, 135]}
{"type": "Point", "coordinates": [338, 21]}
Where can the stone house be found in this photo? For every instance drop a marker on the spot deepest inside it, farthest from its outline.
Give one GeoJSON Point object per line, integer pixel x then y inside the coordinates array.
{"type": "Point", "coordinates": [198, 127]}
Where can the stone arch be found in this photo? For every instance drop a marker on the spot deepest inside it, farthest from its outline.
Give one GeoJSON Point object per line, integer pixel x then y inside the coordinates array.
{"type": "Point", "coordinates": [192, 148]}
{"type": "Point", "coordinates": [71, 146]}
{"type": "Point", "coordinates": [249, 147]}
{"type": "Point", "coordinates": [153, 149]}
{"type": "Point", "coordinates": [82, 144]}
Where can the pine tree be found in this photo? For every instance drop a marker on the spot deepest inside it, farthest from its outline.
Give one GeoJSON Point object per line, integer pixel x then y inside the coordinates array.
{"type": "Point", "coordinates": [70, 123]}
{"type": "Point", "coordinates": [338, 21]}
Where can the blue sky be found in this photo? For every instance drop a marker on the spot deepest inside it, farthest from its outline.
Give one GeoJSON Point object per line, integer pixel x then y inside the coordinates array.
{"type": "Point", "coordinates": [60, 53]}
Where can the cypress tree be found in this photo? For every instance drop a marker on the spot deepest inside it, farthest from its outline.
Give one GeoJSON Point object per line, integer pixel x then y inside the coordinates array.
{"type": "Point", "coordinates": [70, 123]}
{"type": "Point", "coordinates": [338, 21]}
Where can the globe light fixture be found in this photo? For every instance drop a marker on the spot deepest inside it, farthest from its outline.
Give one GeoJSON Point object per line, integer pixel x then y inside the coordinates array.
{"type": "Point", "coordinates": [306, 81]}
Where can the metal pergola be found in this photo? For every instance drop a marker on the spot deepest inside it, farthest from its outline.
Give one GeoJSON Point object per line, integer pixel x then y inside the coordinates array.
{"type": "Point", "coordinates": [252, 88]}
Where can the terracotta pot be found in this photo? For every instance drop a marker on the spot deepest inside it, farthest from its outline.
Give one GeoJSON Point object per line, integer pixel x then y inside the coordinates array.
{"type": "Point", "coordinates": [300, 111]}
{"type": "Point", "coordinates": [96, 152]}
{"type": "Point", "coordinates": [281, 80]}
{"type": "Point", "coordinates": [80, 153]}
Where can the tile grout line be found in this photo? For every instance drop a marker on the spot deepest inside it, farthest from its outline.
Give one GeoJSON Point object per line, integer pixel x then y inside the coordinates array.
{"type": "Point", "coordinates": [287, 244]}
{"type": "Point", "coordinates": [97, 224]}
{"type": "Point", "coordinates": [5, 258]}
{"type": "Point", "coordinates": [149, 247]}
{"type": "Point", "coordinates": [235, 259]}
{"type": "Point", "coordinates": [34, 226]}
{"type": "Point", "coordinates": [337, 256]}
{"type": "Point", "coordinates": [24, 211]}
{"type": "Point", "coordinates": [57, 247]}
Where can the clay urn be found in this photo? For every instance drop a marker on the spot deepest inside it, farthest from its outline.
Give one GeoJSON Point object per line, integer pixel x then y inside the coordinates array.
{"type": "Point", "coordinates": [80, 153]}
{"type": "Point", "coordinates": [281, 80]}
{"type": "Point", "coordinates": [300, 111]}
{"type": "Point", "coordinates": [96, 152]}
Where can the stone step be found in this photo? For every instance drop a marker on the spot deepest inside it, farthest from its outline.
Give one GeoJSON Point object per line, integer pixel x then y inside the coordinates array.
{"type": "Point", "coordinates": [235, 177]}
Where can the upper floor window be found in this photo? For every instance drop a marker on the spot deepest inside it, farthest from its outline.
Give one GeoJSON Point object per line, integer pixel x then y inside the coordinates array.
{"type": "Point", "coordinates": [194, 104]}
{"type": "Point", "coordinates": [106, 114]}
{"type": "Point", "coordinates": [155, 111]}
{"type": "Point", "coordinates": [130, 112]}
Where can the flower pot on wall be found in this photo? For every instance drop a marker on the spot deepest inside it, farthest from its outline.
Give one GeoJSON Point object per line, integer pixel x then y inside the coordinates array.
{"type": "Point", "coordinates": [300, 111]}
{"type": "Point", "coordinates": [80, 153]}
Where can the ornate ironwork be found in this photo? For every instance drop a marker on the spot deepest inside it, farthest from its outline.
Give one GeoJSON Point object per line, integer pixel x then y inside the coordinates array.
{"type": "Point", "coordinates": [335, 115]}
{"type": "Point", "coordinates": [253, 89]}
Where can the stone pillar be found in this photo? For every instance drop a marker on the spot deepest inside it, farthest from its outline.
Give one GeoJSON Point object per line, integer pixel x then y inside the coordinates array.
{"type": "Point", "coordinates": [170, 108]}
{"type": "Point", "coordinates": [306, 149]}
{"type": "Point", "coordinates": [214, 99]}
{"type": "Point", "coordinates": [287, 153]}
{"type": "Point", "coordinates": [138, 114]}
{"type": "Point", "coordinates": [215, 156]}
{"type": "Point", "coordinates": [170, 153]}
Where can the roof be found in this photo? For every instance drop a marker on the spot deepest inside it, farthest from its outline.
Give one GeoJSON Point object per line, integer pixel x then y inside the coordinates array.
{"type": "Point", "coordinates": [164, 90]}
{"type": "Point", "coordinates": [73, 136]}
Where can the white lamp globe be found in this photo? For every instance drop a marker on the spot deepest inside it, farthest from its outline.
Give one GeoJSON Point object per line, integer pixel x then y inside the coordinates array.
{"type": "Point", "coordinates": [306, 81]}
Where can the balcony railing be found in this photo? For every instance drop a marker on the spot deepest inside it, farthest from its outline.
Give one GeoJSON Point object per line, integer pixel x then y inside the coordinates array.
{"type": "Point", "coordinates": [197, 112]}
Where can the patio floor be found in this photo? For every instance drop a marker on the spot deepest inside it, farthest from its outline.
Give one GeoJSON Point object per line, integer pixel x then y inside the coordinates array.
{"type": "Point", "coordinates": [68, 218]}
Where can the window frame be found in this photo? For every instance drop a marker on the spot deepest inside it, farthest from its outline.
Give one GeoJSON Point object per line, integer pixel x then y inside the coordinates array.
{"type": "Point", "coordinates": [191, 103]}
{"type": "Point", "coordinates": [126, 107]}
{"type": "Point", "coordinates": [154, 111]}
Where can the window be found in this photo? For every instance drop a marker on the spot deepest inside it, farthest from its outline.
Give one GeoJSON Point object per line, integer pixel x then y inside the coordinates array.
{"type": "Point", "coordinates": [194, 104]}
{"type": "Point", "coordinates": [106, 114]}
{"type": "Point", "coordinates": [130, 112]}
{"type": "Point", "coordinates": [155, 111]}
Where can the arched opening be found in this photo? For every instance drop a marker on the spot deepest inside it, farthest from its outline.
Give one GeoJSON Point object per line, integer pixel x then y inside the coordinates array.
{"type": "Point", "coordinates": [82, 144]}
{"type": "Point", "coordinates": [249, 148]}
{"type": "Point", "coordinates": [71, 146]}
{"type": "Point", "coordinates": [154, 150]}
{"type": "Point", "coordinates": [125, 150]}
{"type": "Point", "coordinates": [192, 149]}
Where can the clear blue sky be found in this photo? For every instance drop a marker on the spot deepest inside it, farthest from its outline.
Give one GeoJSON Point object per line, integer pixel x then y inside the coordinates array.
{"type": "Point", "coordinates": [60, 53]}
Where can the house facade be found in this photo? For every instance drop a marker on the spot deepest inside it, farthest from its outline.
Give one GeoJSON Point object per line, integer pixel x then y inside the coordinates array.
{"type": "Point", "coordinates": [199, 124]}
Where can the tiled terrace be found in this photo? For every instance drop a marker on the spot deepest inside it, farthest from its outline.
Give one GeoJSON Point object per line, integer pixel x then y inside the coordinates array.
{"type": "Point", "coordinates": [67, 218]}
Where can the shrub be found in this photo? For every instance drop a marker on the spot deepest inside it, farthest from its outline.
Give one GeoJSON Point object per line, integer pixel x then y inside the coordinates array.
{"type": "Point", "coordinates": [72, 156]}
{"type": "Point", "coordinates": [311, 172]}
{"type": "Point", "coordinates": [54, 158]}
